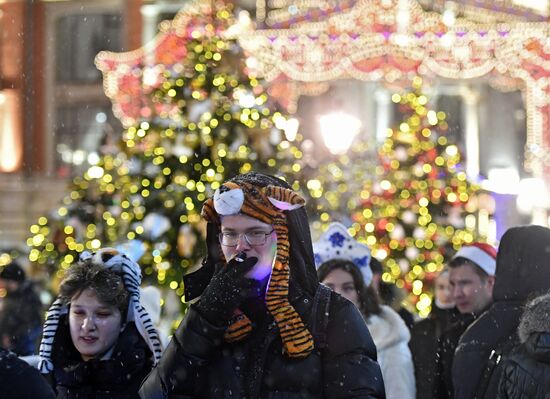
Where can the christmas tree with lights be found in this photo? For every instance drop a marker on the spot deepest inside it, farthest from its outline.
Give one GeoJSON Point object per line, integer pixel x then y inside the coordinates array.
{"type": "Point", "coordinates": [420, 206]}
{"type": "Point", "coordinates": [202, 120]}
{"type": "Point", "coordinates": [332, 182]}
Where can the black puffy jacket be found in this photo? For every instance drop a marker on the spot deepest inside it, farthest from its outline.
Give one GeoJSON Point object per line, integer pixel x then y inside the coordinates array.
{"type": "Point", "coordinates": [198, 364]}
{"type": "Point", "coordinates": [116, 378]}
{"type": "Point", "coordinates": [523, 271]}
{"type": "Point", "coordinates": [446, 346]}
{"type": "Point", "coordinates": [423, 345]}
{"type": "Point", "coordinates": [526, 373]}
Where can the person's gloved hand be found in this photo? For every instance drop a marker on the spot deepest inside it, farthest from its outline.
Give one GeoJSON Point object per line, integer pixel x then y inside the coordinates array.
{"type": "Point", "coordinates": [226, 290]}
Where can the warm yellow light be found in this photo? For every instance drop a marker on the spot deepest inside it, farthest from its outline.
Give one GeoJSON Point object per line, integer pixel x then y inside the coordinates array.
{"type": "Point", "coordinates": [10, 147]}
{"type": "Point", "coordinates": [451, 150]}
{"type": "Point", "coordinates": [338, 130]}
{"type": "Point", "coordinates": [432, 118]}
{"type": "Point", "coordinates": [291, 129]}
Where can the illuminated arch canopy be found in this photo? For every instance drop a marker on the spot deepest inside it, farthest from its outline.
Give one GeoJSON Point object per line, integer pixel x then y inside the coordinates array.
{"type": "Point", "coordinates": [130, 78]}
{"type": "Point", "coordinates": [372, 40]}
{"type": "Point", "coordinates": [393, 40]}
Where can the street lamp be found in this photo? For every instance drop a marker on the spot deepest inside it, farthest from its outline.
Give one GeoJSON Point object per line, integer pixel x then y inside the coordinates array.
{"type": "Point", "coordinates": [338, 130]}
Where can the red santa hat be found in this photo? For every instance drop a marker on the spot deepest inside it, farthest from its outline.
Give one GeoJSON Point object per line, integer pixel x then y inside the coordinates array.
{"type": "Point", "coordinates": [483, 255]}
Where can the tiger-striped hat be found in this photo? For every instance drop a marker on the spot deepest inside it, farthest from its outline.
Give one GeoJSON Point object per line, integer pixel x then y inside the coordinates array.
{"type": "Point", "coordinates": [131, 276]}
{"type": "Point", "coordinates": [269, 205]}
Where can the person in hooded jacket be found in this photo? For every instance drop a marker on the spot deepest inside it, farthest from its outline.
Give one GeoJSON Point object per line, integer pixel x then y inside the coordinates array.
{"type": "Point", "coordinates": [522, 271]}
{"type": "Point", "coordinates": [98, 340]}
{"type": "Point", "coordinates": [344, 266]}
{"type": "Point", "coordinates": [526, 373]}
{"type": "Point", "coordinates": [21, 312]}
{"type": "Point", "coordinates": [426, 333]}
{"type": "Point", "coordinates": [263, 326]}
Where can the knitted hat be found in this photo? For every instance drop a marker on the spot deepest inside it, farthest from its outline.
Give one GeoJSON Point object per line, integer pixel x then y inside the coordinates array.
{"type": "Point", "coordinates": [483, 255]}
{"type": "Point", "coordinates": [337, 243]}
{"type": "Point", "coordinates": [243, 195]}
{"type": "Point", "coordinates": [131, 276]}
{"type": "Point", "coordinates": [13, 272]}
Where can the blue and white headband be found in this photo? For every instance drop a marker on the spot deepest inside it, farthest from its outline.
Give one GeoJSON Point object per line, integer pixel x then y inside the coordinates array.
{"type": "Point", "coordinates": [337, 243]}
{"type": "Point", "coordinates": [131, 276]}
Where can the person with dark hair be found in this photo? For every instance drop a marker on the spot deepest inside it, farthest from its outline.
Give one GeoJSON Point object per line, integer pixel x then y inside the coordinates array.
{"type": "Point", "coordinates": [20, 311]}
{"type": "Point", "coordinates": [98, 340]}
{"type": "Point", "coordinates": [263, 326]}
{"type": "Point", "coordinates": [377, 271]}
{"type": "Point", "coordinates": [525, 374]}
{"type": "Point", "coordinates": [343, 265]}
{"type": "Point", "coordinates": [388, 293]}
{"type": "Point", "coordinates": [472, 278]}
{"type": "Point", "coordinates": [393, 296]}
{"type": "Point", "coordinates": [522, 272]}
{"type": "Point", "coordinates": [425, 335]}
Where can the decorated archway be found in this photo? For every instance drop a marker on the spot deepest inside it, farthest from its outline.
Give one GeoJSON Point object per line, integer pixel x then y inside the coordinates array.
{"type": "Point", "coordinates": [392, 41]}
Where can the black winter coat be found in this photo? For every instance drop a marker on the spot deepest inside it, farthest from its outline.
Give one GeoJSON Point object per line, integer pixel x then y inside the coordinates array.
{"type": "Point", "coordinates": [523, 271]}
{"type": "Point", "coordinates": [116, 378]}
{"type": "Point", "coordinates": [198, 364]}
{"type": "Point", "coordinates": [446, 346]}
{"type": "Point", "coordinates": [526, 373]}
{"type": "Point", "coordinates": [18, 380]}
{"type": "Point", "coordinates": [423, 345]}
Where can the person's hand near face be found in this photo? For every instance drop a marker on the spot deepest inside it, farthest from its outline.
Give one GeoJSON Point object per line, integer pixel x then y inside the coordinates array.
{"type": "Point", "coordinates": [94, 326]}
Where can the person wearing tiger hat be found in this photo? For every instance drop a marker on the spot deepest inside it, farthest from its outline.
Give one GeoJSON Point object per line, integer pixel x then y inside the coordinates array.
{"type": "Point", "coordinates": [263, 326]}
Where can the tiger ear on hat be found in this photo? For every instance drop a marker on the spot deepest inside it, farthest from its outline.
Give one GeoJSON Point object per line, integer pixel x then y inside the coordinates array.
{"type": "Point", "coordinates": [208, 212]}
{"type": "Point", "coordinates": [284, 198]}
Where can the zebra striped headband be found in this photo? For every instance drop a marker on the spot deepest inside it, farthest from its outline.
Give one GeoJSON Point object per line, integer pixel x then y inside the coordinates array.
{"type": "Point", "coordinates": [131, 276]}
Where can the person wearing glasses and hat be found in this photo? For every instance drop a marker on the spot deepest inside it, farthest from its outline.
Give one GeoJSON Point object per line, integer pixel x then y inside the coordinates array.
{"type": "Point", "coordinates": [263, 326]}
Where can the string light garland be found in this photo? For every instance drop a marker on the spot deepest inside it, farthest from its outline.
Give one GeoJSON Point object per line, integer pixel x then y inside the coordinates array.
{"type": "Point", "coordinates": [390, 40]}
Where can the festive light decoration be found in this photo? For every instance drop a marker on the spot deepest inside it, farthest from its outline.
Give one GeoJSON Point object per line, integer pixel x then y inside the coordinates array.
{"type": "Point", "coordinates": [338, 130]}
{"type": "Point", "coordinates": [391, 40]}
{"type": "Point", "coordinates": [288, 13]}
{"type": "Point", "coordinates": [193, 117]}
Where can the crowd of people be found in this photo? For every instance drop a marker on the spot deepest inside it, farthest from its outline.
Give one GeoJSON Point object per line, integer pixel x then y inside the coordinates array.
{"type": "Point", "coordinates": [274, 315]}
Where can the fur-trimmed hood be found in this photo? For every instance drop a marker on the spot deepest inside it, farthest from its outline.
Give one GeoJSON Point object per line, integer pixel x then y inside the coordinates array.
{"type": "Point", "coordinates": [535, 318]}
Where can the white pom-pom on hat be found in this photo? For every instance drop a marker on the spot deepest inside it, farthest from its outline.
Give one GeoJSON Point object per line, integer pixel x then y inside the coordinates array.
{"type": "Point", "coordinates": [228, 202]}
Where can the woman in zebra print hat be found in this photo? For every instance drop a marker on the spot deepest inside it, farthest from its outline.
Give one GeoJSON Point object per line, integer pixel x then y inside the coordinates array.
{"type": "Point", "coordinates": [98, 341]}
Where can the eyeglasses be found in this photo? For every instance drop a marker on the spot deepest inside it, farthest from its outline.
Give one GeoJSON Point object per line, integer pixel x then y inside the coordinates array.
{"type": "Point", "coordinates": [231, 239]}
